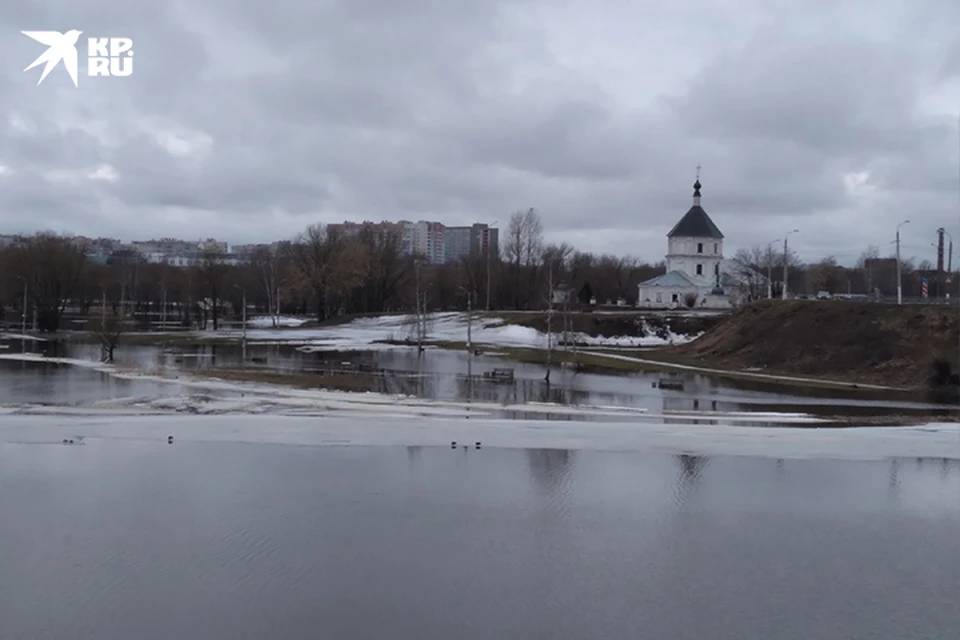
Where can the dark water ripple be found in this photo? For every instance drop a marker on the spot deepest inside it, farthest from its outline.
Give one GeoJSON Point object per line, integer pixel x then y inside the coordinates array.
{"type": "Point", "coordinates": [119, 540]}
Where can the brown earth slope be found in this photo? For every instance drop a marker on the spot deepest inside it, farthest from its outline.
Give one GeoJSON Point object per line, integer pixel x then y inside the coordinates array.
{"type": "Point", "coordinates": [861, 342]}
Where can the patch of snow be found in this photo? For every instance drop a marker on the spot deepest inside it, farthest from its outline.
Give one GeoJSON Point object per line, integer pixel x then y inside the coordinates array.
{"type": "Point", "coordinates": [21, 336]}
{"type": "Point", "coordinates": [273, 321]}
{"type": "Point", "coordinates": [371, 333]}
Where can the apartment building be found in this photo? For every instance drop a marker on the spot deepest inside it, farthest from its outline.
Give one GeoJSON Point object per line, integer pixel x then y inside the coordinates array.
{"type": "Point", "coordinates": [434, 241]}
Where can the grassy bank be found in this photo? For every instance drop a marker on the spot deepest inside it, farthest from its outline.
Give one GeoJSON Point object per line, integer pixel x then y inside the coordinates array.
{"type": "Point", "coordinates": [857, 342]}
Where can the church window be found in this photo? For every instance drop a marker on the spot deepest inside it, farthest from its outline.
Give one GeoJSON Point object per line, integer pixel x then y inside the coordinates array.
{"type": "Point", "coordinates": [699, 269]}
{"type": "Point", "coordinates": [699, 247]}
{"type": "Point", "coordinates": [659, 297]}
{"type": "Point", "coordinates": [715, 249]}
{"type": "Point", "coordinates": [676, 297]}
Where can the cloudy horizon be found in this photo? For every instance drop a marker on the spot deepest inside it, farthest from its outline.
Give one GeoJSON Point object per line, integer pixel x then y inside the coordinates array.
{"type": "Point", "coordinates": [247, 121]}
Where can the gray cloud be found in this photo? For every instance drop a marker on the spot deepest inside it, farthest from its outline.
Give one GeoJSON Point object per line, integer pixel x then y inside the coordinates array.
{"type": "Point", "coordinates": [248, 120]}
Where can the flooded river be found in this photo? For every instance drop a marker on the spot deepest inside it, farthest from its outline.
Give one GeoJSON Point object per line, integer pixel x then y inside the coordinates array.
{"type": "Point", "coordinates": [120, 539]}
{"type": "Point", "coordinates": [442, 375]}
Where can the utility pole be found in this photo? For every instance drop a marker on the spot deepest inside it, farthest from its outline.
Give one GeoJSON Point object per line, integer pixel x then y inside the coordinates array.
{"type": "Point", "coordinates": [490, 258]}
{"type": "Point", "coordinates": [549, 322]}
{"type": "Point", "coordinates": [23, 321]}
{"type": "Point", "coordinates": [770, 267]}
{"type": "Point", "coordinates": [276, 321]}
{"type": "Point", "coordinates": [899, 275]}
{"type": "Point", "coordinates": [163, 312]}
{"type": "Point", "coordinates": [416, 266]}
{"type": "Point", "coordinates": [469, 323]}
{"type": "Point", "coordinates": [786, 262]}
{"type": "Point", "coordinates": [243, 348]}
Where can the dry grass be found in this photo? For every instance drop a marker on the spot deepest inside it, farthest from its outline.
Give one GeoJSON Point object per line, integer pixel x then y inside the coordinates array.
{"type": "Point", "coordinates": [859, 342]}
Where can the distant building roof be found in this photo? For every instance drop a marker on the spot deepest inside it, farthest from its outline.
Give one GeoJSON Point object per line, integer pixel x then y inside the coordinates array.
{"type": "Point", "coordinates": [671, 279]}
{"type": "Point", "coordinates": [696, 223]}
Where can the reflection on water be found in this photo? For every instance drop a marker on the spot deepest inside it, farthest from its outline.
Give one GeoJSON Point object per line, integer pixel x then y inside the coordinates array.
{"type": "Point", "coordinates": [51, 384]}
{"type": "Point", "coordinates": [117, 540]}
{"type": "Point", "coordinates": [445, 375]}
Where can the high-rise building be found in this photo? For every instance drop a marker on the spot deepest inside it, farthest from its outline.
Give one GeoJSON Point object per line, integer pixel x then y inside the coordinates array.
{"type": "Point", "coordinates": [470, 241]}
{"type": "Point", "coordinates": [433, 241]}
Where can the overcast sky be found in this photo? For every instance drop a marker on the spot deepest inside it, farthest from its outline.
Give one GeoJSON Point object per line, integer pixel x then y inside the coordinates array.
{"type": "Point", "coordinates": [249, 120]}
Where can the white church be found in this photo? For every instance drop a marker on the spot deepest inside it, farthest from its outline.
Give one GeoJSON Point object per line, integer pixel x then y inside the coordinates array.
{"type": "Point", "coordinates": [697, 275]}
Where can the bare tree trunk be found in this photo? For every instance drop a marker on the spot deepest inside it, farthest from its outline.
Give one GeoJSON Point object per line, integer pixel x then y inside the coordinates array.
{"type": "Point", "coordinates": [549, 323]}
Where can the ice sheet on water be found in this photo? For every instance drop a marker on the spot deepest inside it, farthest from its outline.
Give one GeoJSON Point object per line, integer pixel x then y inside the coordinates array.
{"type": "Point", "coordinates": [930, 441]}
{"type": "Point", "coordinates": [276, 321]}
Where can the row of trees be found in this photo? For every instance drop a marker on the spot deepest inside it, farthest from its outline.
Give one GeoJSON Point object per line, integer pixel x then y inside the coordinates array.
{"type": "Point", "coordinates": [324, 273]}
{"type": "Point", "coordinates": [320, 272]}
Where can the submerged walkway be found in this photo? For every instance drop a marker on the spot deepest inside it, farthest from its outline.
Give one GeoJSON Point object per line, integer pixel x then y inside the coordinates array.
{"type": "Point", "coordinates": [744, 374]}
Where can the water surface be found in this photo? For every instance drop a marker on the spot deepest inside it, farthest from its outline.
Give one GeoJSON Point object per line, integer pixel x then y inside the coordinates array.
{"type": "Point", "coordinates": [118, 540]}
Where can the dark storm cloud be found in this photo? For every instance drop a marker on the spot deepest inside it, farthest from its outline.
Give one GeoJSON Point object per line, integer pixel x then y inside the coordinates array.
{"type": "Point", "coordinates": [249, 120]}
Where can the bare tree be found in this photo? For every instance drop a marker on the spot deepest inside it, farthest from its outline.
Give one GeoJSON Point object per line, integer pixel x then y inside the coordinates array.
{"type": "Point", "coordinates": [213, 274]}
{"type": "Point", "coordinates": [108, 331]}
{"type": "Point", "coordinates": [524, 252]}
{"type": "Point", "coordinates": [313, 254]}
{"type": "Point", "coordinates": [266, 265]}
{"type": "Point", "coordinates": [750, 283]}
{"type": "Point", "coordinates": [826, 275]}
{"type": "Point", "coordinates": [52, 269]}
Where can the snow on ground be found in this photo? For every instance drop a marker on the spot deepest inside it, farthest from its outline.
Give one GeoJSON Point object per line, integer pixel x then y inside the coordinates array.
{"type": "Point", "coordinates": [366, 333]}
{"type": "Point", "coordinates": [21, 336]}
{"type": "Point", "coordinates": [273, 321]}
{"type": "Point", "coordinates": [873, 443]}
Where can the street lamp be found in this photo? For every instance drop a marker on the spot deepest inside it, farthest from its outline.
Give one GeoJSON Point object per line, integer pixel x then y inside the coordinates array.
{"type": "Point", "coordinates": [469, 320]}
{"type": "Point", "coordinates": [23, 321]}
{"type": "Point", "coordinates": [899, 280]}
{"type": "Point", "coordinates": [770, 267]}
{"type": "Point", "coordinates": [786, 261]}
{"type": "Point", "coordinates": [489, 258]}
{"type": "Point", "coordinates": [243, 349]}
{"type": "Point", "coordinates": [276, 321]}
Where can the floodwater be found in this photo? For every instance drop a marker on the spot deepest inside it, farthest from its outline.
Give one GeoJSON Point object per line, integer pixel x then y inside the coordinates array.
{"type": "Point", "coordinates": [446, 375]}
{"type": "Point", "coordinates": [118, 539]}
{"type": "Point", "coordinates": [64, 385]}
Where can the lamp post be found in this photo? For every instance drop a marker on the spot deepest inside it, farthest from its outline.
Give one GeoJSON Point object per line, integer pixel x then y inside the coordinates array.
{"type": "Point", "coordinates": [276, 321]}
{"type": "Point", "coordinates": [489, 258]}
{"type": "Point", "coordinates": [786, 262]}
{"type": "Point", "coordinates": [770, 268]}
{"type": "Point", "coordinates": [23, 319]}
{"type": "Point", "coordinates": [243, 348]}
{"type": "Point", "coordinates": [469, 320]}
{"type": "Point", "coordinates": [899, 280]}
